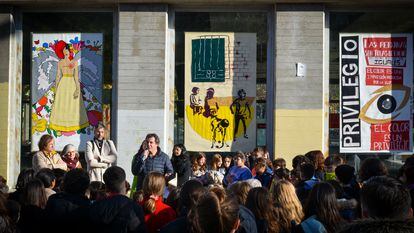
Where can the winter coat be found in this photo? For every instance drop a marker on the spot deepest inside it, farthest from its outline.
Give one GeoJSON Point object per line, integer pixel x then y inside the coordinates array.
{"type": "Point", "coordinates": [40, 160]}
{"type": "Point", "coordinates": [99, 161]}
{"type": "Point", "coordinates": [159, 163]}
{"type": "Point", "coordinates": [182, 166]}
{"type": "Point", "coordinates": [162, 215]}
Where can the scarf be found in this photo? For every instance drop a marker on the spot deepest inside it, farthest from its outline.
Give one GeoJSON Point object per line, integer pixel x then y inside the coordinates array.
{"type": "Point", "coordinates": [71, 162]}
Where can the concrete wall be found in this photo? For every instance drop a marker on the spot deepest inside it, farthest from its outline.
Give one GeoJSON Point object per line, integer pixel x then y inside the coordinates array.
{"type": "Point", "coordinates": [4, 89]}
{"type": "Point", "coordinates": [299, 101]}
{"type": "Point", "coordinates": [142, 81]}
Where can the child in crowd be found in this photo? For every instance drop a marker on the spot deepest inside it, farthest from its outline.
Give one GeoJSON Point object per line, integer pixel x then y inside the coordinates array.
{"type": "Point", "coordinates": [330, 164]}
{"type": "Point", "coordinates": [238, 172]}
{"type": "Point", "coordinates": [199, 165]}
{"type": "Point", "coordinates": [216, 173]}
{"type": "Point", "coordinates": [263, 173]}
{"type": "Point", "coordinates": [157, 214]}
{"type": "Point", "coordinates": [317, 159]}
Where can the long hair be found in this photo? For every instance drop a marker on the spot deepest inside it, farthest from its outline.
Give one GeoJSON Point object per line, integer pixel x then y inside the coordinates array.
{"type": "Point", "coordinates": [239, 191]}
{"type": "Point", "coordinates": [322, 203]}
{"type": "Point", "coordinates": [211, 215]}
{"type": "Point", "coordinates": [152, 186]}
{"type": "Point", "coordinates": [259, 202]}
{"type": "Point", "coordinates": [196, 166]}
{"type": "Point", "coordinates": [34, 194]}
{"type": "Point", "coordinates": [214, 161]}
{"type": "Point", "coordinates": [24, 177]}
{"type": "Point", "coordinates": [183, 155]}
{"type": "Point", "coordinates": [287, 205]}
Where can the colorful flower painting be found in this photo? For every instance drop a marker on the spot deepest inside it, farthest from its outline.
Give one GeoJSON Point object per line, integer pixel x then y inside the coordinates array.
{"type": "Point", "coordinates": [66, 88]}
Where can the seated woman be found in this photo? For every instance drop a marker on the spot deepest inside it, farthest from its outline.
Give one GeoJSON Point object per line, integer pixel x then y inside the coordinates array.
{"type": "Point", "coordinates": [199, 166]}
{"type": "Point", "coordinates": [47, 157]}
{"type": "Point", "coordinates": [216, 173]}
{"type": "Point", "coordinates": [71, 157]}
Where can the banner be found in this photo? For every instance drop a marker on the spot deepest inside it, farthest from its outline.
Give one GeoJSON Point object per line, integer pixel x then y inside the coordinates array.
{"type": "Point", "coordinates": [376, 77]}
{"type": "Point", "coordinates": [66, 87]}
{"type": "Point", "coordinates": [220, 91]}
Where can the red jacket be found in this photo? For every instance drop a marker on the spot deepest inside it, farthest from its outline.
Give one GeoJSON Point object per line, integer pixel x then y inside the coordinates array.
{"type": "Point", "coordinates": [163, 214]}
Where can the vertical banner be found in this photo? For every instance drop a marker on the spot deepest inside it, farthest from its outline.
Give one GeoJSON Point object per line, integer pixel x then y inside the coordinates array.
{"type": "Point", "coordinates": [66, 87]}
{"type": "Point", "coordinates": [220, 91]}
{"type": "Point", "coordinates": [376, 78]}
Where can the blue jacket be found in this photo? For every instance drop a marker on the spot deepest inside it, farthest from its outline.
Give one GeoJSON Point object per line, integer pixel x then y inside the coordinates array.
{"type": "Point", "coordinates": [159, 163]}
{"type": "Point", "coordinates": [237, 174]}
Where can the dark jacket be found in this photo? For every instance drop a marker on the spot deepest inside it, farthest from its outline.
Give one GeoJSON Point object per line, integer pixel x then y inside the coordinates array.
{"type": "Point", "coordinates": [247, 221]}
{"type": "Point", "coordinates": [62, 208]}
{"type": "Point", "coordinates": [178, 225]}
{"type": "Point", "coordinates": [32, 219]}
{"type": "Point", "coordinates": [116, 214]}
{"type": "Point", "coordinates": [182, 166]}
{"type": "Point", "coordinates": [160, 163]}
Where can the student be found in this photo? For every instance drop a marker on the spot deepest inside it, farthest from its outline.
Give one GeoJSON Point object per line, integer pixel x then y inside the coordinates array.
{"type": "Point", "coordinates": [259, 202]}
{"type": "Point", "coordinates": [263, 173]}
{"type": "Point", "coordinates": [372, 167]}
{"type": "Point", "coordinates": [157, 214]}
{"type": "Point", "coordinates": [287, 206]}
{"type": "Point", "coordinates": [385, 198]}
{"type": "Point", "coordinates": [307, 181]}
{"type": "Point", "coordinates": [49, 180]}
{"type": "Point", "coordinates": [211, 215]}
{"type": "Point", "coordinates": [330, 164]}
{"type": "Point", "coordinates": [190, 193]}
{"type": "Point", "coordinates": [32, 215]}
{"type": "Point", "coordinates": [317, 159]}
{"type": "Point", "coordinates": [199, 166]}
{"type": "Point", "coordinates": [322, 206]}
{"type": "Point", "coordinates": [181, 164]}
{"type": "Point", "coordinates": [238, 172]}
{"type": "Point", "coordinates": [216, 173]}
{"type": "Point", "coordinates": [116, 211]}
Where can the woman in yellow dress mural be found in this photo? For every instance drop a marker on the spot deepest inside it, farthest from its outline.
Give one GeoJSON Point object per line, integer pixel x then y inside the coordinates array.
{"type": "Point", "coordinates": [68, 111]}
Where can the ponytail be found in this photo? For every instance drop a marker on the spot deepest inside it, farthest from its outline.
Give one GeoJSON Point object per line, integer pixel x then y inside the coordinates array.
{"type": "Point", "coordinates": [149, 206]}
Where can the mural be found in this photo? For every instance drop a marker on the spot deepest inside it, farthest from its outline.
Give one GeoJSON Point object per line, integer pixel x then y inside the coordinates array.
{"type": "Point", "coordinates": [220, 74]}
{"type": "Point", "coordinates": [66, 87]}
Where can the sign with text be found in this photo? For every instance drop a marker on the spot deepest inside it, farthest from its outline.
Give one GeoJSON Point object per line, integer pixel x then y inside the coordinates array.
{"type": "Point", "coordinates": [376, 76]}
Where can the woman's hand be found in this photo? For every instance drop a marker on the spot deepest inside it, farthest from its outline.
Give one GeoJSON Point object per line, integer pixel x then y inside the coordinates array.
{"type": "Point", "coordinates": [76, 93]}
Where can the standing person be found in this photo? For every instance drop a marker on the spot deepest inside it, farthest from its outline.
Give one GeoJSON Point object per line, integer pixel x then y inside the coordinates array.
{"type": "Point", "coordinates": [100, 154]}
{"type": "Point", "coordinates": [32, 216]}
{"type": "Point", "coordinates": [47, 157]}
{"type": "Point", "coordinates": [322, 206]}
{"type": "Point", "coordinates": [157, 214]}
{"type": "Point", "coordinates": [259, 202]}
{"type": "Point", "coordinates": [151, 159]}
{"type": "Point", "coordinates": [239, 171]}
{"type": "Point", "coordinates": [117, 213]}
{"type": "Point", "coordinates": [181, 164]}
{"type": "Point", "coordinates": [71, 157]}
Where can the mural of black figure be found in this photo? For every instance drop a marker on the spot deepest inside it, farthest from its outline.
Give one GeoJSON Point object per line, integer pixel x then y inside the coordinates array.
{"type": "Point", "coordinates": [219, 130]}
{"type": "Point", "coordinates": [241, 112]}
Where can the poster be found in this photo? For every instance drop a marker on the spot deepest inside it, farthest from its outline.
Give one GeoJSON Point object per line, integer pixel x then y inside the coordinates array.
{"type": "Point", "coordinates": [66, 87]}
{"type": "Point", "coordinates": [220, 91]}
{"type": "Point", "coordinates": [376, 77]}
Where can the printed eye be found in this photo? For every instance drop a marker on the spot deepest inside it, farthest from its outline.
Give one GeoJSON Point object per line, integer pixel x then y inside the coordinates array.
{"type": "Point", "coordinates": [383, 107]}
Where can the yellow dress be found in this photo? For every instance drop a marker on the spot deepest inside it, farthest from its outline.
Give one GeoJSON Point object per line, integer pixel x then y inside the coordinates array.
{"type": "Point", "coordinates": [68, 113]}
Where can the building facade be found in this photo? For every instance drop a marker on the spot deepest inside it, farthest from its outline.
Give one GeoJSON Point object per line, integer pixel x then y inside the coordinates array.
{"type": "Point", "coordinates": [297, 66]}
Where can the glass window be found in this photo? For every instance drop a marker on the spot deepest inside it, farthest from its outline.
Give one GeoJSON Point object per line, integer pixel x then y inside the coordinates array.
{"type": "Point", "coordinates": [60, 22]}
{"type": "Point", "coordinates": [358, 22]}
{"type": "Point", "coordinates": [221, 22]}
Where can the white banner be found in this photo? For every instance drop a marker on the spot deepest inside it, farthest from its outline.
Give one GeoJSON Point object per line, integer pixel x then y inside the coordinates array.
{"type": "Point", "coordinates": [220, 91]}
{"type": "Point", "coordinates": [66, 89]}
{"type": "Point", "coordinates": [376, 78]}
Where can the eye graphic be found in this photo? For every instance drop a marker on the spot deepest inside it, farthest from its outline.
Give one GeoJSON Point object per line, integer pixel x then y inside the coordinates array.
{"type": "Point", "coordinates": [383, 107]}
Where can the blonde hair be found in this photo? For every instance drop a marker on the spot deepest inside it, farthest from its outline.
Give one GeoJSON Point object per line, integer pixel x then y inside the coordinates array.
{"type": "Point", "coordinates": [153, 185]}
{"type": "Point", "coordinates": [287, 205]}
{"type": "Point", "coordinates": [216, 158]}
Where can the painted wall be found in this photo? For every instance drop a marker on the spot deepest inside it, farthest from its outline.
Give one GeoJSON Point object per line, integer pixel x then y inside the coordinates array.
{"type": "Point", "coordinates": [299, 100]}
{"type": "Point", "coordinates": [141, 80]}
{"type": "Point", "coordinates": [4, 90]}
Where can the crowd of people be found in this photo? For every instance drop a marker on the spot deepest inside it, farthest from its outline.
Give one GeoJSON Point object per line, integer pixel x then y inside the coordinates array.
{"type": "Point", "coordinates": [192, 192]}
